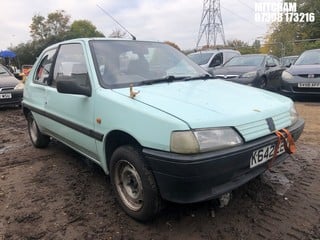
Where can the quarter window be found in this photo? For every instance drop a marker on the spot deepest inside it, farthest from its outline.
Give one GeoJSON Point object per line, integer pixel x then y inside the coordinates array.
{"type": "Point", "coordinates": [43, 71]}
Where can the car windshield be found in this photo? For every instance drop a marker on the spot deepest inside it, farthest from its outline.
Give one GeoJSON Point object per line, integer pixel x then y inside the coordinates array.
{"type": "Point", "coordinates": [122, 63]}
{"type": "Point", "coordinates": [200, 58]}
{"type": "Point", "coordinates": [285, 61]}
{"type": "Point", "coordinates": [4, 71]}
{"type": "Point", "coordinates": [309, 58]}
{"type": "Point", "coordinates": [253, 60]}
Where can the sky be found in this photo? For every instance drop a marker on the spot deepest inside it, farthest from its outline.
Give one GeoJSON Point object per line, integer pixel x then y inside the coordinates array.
{"type": "Point", "coordinates": [177, 21]}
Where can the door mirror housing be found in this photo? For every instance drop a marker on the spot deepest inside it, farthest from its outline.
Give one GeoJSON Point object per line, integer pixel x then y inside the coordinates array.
{"type": "Point", "coordinates": [72, 86]}
{"type": "Point", "coordinates": [269, 64]}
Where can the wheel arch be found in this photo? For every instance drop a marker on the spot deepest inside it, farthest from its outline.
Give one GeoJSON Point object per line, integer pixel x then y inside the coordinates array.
{"type": "Point", "coordinates": [115, 139]}
{"type": "Point", "coordinates": [25, 111]}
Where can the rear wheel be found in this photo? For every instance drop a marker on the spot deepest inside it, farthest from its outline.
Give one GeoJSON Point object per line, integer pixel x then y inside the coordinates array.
{"type": "Point", "coordinates": [38, 139]}
{"type": "Point", "coordinates": [134, 184]}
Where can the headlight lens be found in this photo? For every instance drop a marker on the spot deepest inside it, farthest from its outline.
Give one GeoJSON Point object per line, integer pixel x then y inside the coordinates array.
{"type": "Point", "coordinates": [293, 114]}
{"type": "Point", "coordinates": [204, 140]}
{"type": "Point", "coordinates": [286, 75]}
{"type": "Point", "coordinates": [249, 74]}
{"type": "Point", "coordinates": [19, 86]}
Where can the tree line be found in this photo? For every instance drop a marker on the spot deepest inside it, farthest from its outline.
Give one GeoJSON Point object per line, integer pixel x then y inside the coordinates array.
{"type": "Point", "coordinates": [294, 35]}
{"type": "Point", "coordinates": [54, 28]}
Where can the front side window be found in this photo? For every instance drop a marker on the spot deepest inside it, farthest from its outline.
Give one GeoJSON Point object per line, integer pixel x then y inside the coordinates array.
{"type": "Point", "coordinates": [217, 60]}
{"type": "Point", "coordinates": [71, 65]}
{"type": "Point", "coordinates": [121, 63]}
{"type": "Point", "coordinates": [201, 58]}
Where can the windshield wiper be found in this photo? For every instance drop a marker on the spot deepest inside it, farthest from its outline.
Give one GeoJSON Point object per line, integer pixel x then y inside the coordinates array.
{"type": "Point", "coordinates": [167, 79]}
{"type": "Point", "coordinates": [3, 72]}
{"type": "Point", "coordinates": [204, 77]}
{"type": "Point", "coordinates": [172, 78]}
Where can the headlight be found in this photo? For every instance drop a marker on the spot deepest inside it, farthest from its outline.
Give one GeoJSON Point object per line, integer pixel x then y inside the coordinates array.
{"type": "Point", "coordinates": [19, 86]}
{"type": "Point", "coordinates": [204, 140]}
{"type": "Point", "coordinates": [293, 114]}
{"type": "Point", "coordinates": [286, 75]}
{"type": "Point", "coordinates": [249, 74]}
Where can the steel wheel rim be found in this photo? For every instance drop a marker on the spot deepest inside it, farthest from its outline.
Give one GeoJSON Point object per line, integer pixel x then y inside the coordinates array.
{"type": "Point", "coordinates": [128, 184]}
{"type": "Point", "coordinates": [33, 130]}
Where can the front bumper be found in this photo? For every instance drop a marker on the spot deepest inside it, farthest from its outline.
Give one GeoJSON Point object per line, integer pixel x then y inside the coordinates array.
{"type": "Point", "coordinates": [200, 177]}
{"type": "Point", "coordinates": [291, 88]}
{"type": "Point", "coordinates": [16, 98]}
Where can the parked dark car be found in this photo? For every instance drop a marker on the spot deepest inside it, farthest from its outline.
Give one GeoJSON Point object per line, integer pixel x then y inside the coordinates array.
{"type": "Point", "coordinates": [258, 70]}
{"type": "Point", "coordinates": [11, 89]}
{"type": "Point", "coordinates": [303, 77]}
{"type": "Point", "coordinates": [287, 61]}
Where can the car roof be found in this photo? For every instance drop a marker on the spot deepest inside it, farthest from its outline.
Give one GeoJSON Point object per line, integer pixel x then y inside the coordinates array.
{"type": "Point", "coordinates": [215, 51]}
{"type": "Point", "coordinates": [313, 50]}
{"type": "Point", "coordinates": [254, 54]}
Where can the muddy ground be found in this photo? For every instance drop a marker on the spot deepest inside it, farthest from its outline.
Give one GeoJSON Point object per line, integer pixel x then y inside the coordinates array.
{"type": "Point", "coordinates": [54, 193]}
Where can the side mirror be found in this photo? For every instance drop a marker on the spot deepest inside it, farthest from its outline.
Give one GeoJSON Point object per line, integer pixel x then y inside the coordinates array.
{"type": "Point", "coordinates": [271, 64]}
{"type": "Point", "coordinates": [18, 76]}
{"type": "Point", "coordinates": [71, 86]}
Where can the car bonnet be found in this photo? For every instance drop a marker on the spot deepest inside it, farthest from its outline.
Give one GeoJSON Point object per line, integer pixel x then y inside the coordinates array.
{"type": "Point", "coordinates": [8, 81]}
{"type": "Point", "coordinates": [234, 70]}
{"type": "Point", "coordinates": [217, 103]}
{"type": "Point", "coordinates": [304, 69]}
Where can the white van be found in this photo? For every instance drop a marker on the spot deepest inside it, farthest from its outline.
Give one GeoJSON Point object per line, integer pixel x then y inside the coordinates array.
{"type": "Point", "coordinates": [212, 58]}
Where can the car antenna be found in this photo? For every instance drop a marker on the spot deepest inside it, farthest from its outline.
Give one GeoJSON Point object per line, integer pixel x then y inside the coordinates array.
{"type": "Point", "coordinates": [109, 15]}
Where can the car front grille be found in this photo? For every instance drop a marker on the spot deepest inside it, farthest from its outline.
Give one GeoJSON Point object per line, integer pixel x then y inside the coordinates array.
{"type": "Point", "coordinates": [309, 75]}
{"type": "Point", "coordinates": [3, 89]}
{"type": "Point", "coordinates": [227, 76]}
{"type": "Point", "coordinates": [260, 128]}
{"type": "Point", "coordinates": [306, 90]}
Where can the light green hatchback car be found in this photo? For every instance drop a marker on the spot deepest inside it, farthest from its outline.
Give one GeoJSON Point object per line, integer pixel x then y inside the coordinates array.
{"type": "Point", "coordinates": [156, 122]}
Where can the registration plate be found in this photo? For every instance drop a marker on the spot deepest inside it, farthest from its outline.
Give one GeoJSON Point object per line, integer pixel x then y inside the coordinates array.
{"type": "Point", "coordinates": [264, 154]}
{"type": "Point", "coordinates": [5, 95]}
{"type": "Point", "coordinates": [309, 85]}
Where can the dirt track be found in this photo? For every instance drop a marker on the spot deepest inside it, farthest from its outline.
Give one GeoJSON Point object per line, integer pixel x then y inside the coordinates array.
{"type": "Point", "coordinates": [55, 193]}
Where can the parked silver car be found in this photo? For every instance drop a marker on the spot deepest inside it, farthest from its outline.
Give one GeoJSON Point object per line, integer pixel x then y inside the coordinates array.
{"type": "Point", "coordinates": [212, 58]}
{"type": "Point", "coordinates": [11, 89]}
{"type": "Point", "coordinates": [303, 77]}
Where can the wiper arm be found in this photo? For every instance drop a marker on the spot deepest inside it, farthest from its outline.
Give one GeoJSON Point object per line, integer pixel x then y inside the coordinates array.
{"type": "Point", "coordinates": [3, 72]}
{"type": "Point", "coordinates": [204, 76]}
{"type": "Point", "coordinates": [168, 79]}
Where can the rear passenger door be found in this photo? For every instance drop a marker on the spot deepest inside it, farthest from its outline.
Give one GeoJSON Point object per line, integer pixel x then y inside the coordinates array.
{"type": "Point", "coordinates": [39, 84]}
{"type": "Point", "coordinates": [71, 116]}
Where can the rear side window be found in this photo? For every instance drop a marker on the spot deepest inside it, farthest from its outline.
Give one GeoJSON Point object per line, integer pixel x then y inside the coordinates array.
{"type": "Point", "coordinates": [44, 69]}
{"type": "Point", "coordinates": [70, 65]}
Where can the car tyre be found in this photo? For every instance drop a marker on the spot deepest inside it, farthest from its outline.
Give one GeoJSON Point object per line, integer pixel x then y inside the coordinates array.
{"type": "Point", "coordinates": [263, 83]}
{"type": "Point", "coordinates": [134, 184]}
{"type": "Point", "coordinates": [38, 139]}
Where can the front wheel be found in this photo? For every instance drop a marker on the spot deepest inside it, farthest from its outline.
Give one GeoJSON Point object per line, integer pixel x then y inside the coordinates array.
{"type": "Point", "coordinates": [263, 83]}
{"type": "Point", "coordinates": [38, 139]}
{"type": "Point", "coordinates": [134, 184]}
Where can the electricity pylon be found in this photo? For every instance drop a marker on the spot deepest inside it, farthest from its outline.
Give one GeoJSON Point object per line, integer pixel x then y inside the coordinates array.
{"type": "Point", "coordinates": [211, 23]}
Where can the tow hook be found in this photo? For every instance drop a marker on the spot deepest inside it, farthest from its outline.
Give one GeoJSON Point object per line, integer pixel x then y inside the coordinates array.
{"type": "Point", "coordinates": [224, 199]}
